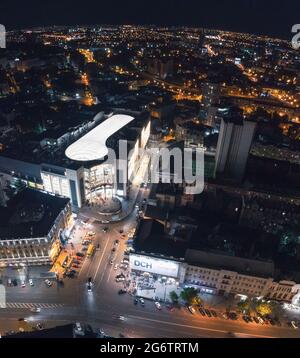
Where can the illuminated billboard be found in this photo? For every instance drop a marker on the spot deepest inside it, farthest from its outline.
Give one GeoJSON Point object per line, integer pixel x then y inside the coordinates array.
{"type": "Point", "coordinates": [154, 265]}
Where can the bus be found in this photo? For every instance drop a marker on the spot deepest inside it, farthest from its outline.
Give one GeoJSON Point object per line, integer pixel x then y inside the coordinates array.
{"type": "Point", "coordinates": [90, 250]}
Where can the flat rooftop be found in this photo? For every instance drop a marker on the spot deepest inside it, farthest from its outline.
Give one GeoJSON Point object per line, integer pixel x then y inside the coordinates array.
{"type": "Point", "coordinates": [29, 214]}
{"type": "Point", "coordinates": [92, 146]}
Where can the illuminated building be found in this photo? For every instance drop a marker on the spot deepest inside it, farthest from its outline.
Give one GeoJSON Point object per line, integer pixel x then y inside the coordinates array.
{"type": "Point", "coordinates": [33, 227]}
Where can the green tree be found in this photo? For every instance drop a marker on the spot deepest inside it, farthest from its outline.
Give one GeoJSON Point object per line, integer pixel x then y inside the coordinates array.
{"type": "Point", "coordinates": [190, 295]}
{"type": "Point", "coordinates": [244, 305]}
{"type": "Point", "coordinates": [173, 296]}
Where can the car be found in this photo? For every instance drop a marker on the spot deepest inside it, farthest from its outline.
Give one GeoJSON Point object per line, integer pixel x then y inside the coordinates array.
{"type": "Point", "coordinates": [89, 280]}
{"type": "Point", "coordinates": [294, 325]}
{"type": "Point", "coordinates": [111, 262]}
{"type": "Point", "coordinates": [23, 284]}
{"type": "Point", "coordinates": [121, 231]}
{"type": "Point", "coordinates": [21, 319]}
{"type": "Point", "coordinates": [192, 309]}
{"type": "Point", "coordinates": [79, 254]}
{"type": "Point", "coordinates": [48, 283]}
{"type": "Point", "coordinates": [208, 314]}
{"type": "Point", "coordinates": [214, 313]}
{"type": "Point", "coordinates": [35, 309]}
{"type": "Point", "coordinates": [136, 301]}
{"type": "Point", "coordinates": [260, 320]}
{"type": "Point", "coordinates": [91, 233]}
{"type": "Point", "coordinates": [9, 282]}
{"type": "Point", "coordinates": [113, 249]}
{"type": "Point", "coordinates": [70, 274]}
{"type": "Point", "coordinates": [105, 229]}
{"type": "Point", "coordinates": [116, 266]}
{"type": "Point", "coordinates": [225, 315]}
{"type": "Point", "coordinates": [119, 279]}
{"type": "Point", "coordinates": [246, 318]}
{"type": "Point", "coordinates": [170, 308]}
{"type": "Point", "coordinates": [202, 312]}
{"type": "Point", "coordinates": [116, 243]}
{"type": "Point", "coordinates": [121, 292]}
{"type": "Point", "coordinates": [85, 242]}
{"type": "Point", "coordinates": [233, 316]}
{"type": "Point", "coordinates": [255, 319]}
{"type": "Point", "coordinates": [157, 305]}
{"type": "Point", "coordinates": [30, 282]}
{"type": "Point", "coordinates": [76, 262]}
{"type": "Point", "coordinates": [98, 247]}
{"type": "Point", "coordinates": [89, 287]}
{"type": "Point", "coordinates": [142, 301]}
{"type": "Point", "coordinates": [75, 266]}
{"type": "Point", "coordinates": [121, 318]}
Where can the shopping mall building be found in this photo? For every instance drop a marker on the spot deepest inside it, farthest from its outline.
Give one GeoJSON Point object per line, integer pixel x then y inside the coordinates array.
{"type": "Point", "coordinates": [81, 170]}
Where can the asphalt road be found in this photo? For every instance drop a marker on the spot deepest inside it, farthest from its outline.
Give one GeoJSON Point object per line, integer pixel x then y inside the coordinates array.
{"type": "Point", "coordinates": [101, 307]}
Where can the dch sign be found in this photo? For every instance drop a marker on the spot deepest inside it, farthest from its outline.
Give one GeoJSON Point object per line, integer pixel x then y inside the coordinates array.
{"type": "Point", "coordinates": [154, 265]}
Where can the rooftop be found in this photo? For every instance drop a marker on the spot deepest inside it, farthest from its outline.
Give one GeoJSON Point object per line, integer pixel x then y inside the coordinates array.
{"type": "Point", "coordinates": [92, 146]}
{"type": "Point", "coordinates": [31, 213]}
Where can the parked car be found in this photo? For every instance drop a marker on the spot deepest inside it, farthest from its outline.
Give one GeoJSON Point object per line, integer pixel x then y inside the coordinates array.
{"type": "Point", "coordinates": [201, 311]}
{"type": "Point", "coordinates": [192, 309]}
{"type": "Point", "coordinates": [136, 301]}
{"type": "Point", "coordinates": [31, 282]}
{"type": "Point", "coordinates": [116, 266]}
{"type": "Point", "coordinates": [157, 305]}
{"type": "Point", "coordinates": [48, 283]}
{"type": "Point", "coordinates": [23, 284]}
{"type": "Point", "coordinates": [213, 313]}
{"type": "Point", "coordinates": [121, 291]}
{"type": "Point", "coordinates": [142, 301]}
{"type": "Point", "coordinates": [207, 312]}
{"type": "Point", "coordinates": [80, 254]}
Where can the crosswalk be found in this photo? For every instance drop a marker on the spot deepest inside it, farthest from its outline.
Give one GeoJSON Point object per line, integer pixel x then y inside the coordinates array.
{"type": "Point", "coordinates": [30, 305]}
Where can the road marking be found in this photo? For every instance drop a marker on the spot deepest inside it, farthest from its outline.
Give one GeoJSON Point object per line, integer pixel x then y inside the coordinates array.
{"type": "Point", "coordinates": [32, 305]}
{"type": "Point", "coordinates": [194, 327]}
{"type": "Point", "coordinates": [100, 261]}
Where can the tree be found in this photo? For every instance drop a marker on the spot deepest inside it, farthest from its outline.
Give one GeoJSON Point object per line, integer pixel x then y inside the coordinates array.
{"type": "Point", "coordinates": [173, 296]}
{"type": "Point", "coordinates": [264, 309]}
{"type": "Point", "coordinates": [190, 296]}
{"type": "Point", "coordinates": [244, 305]}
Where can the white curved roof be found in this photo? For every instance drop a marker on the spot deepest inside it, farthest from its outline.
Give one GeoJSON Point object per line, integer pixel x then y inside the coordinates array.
{"type": "Point", "coordinates": [92, 146]}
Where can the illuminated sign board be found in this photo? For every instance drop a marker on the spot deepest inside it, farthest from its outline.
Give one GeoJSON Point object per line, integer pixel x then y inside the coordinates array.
{"type": "Point", "coordinates": [154, 265]}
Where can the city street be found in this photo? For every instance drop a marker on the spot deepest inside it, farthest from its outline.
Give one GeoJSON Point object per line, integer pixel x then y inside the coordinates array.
{"type": "Point", "coordinates": [101, 307]}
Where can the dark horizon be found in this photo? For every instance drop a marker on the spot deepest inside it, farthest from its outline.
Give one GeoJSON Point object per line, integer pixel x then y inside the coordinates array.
{"type": "Point", "coordinates": [248, 16]}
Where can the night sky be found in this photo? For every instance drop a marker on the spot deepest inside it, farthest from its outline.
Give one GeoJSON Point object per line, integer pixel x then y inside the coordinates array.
{"type": "Point", "coordinates": [273, 17]}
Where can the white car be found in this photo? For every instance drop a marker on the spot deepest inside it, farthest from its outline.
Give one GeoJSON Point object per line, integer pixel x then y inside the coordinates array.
{"type": "Point", "coordinates": [121, 318]}
{"type": "Point", "coordinates": [23, 284]}
{"type": "Point", "coordinates": [142, 301]}
{"type": "Point", "coordinates": [192, 309]}
{"type": "Point", "coordinates": [35, 309]}
{"type": "Point", "coordinates": [116, 266]}
{"type": "Point", "coordinates": [30, 282]}
{"type": "Point", "coordinates": [48, 283]}
{"type": "Point", "coordinates": [260, 320]}
{"type": "Point", "coordinates": [91, 233]}
{"type": "Point", "coordinates": [157, 305]}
